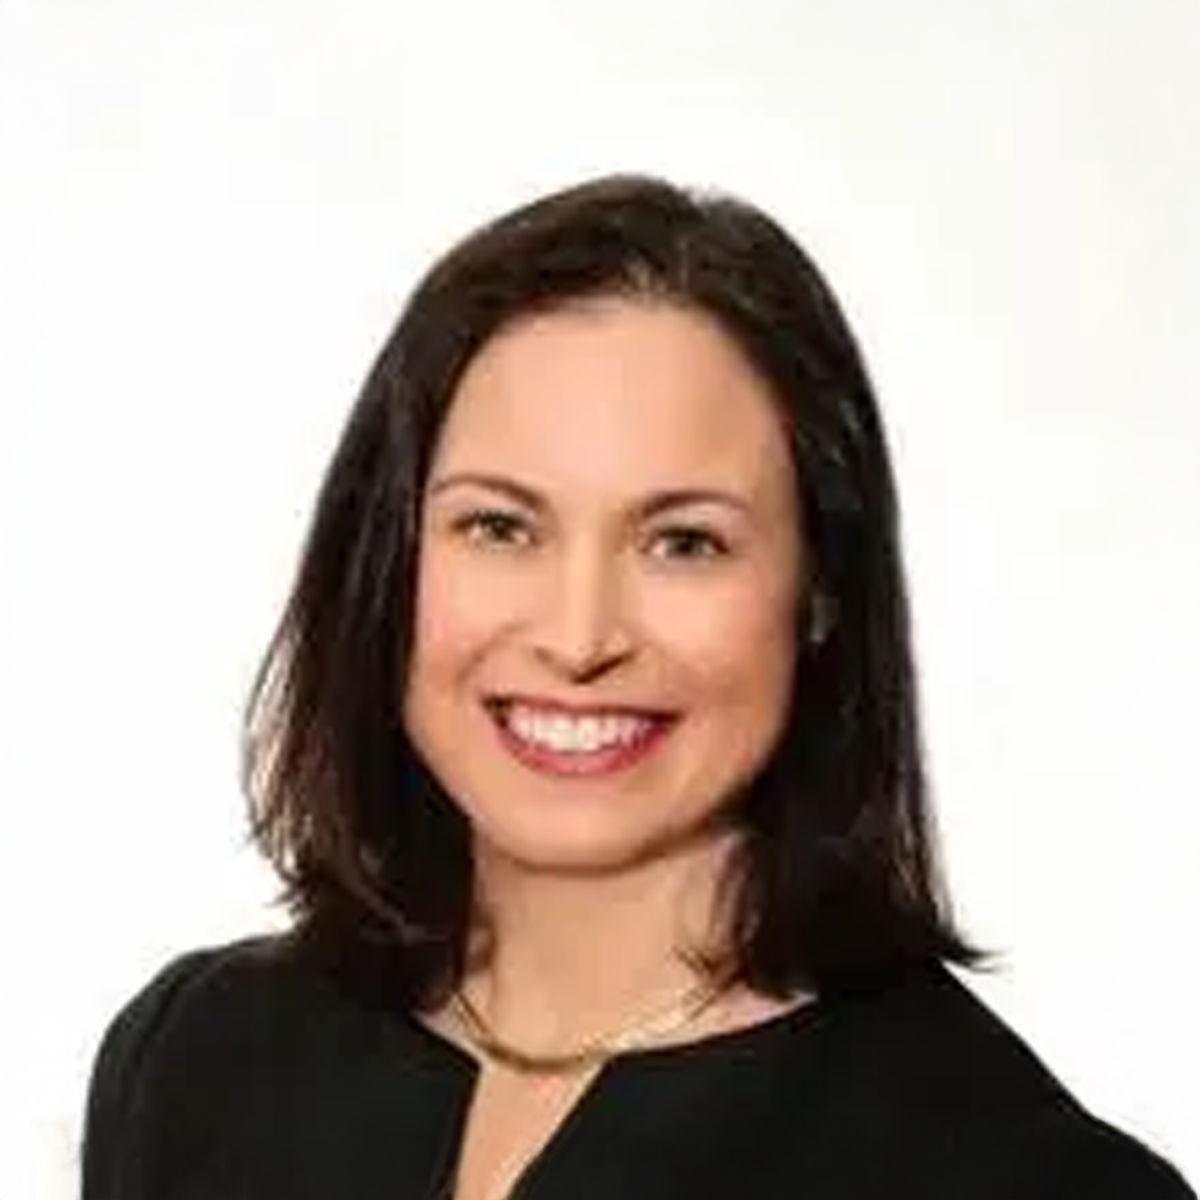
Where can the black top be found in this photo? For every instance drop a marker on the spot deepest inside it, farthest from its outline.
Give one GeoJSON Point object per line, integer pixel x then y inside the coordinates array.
{"type": "Point", "coordinates": [240, 1074]}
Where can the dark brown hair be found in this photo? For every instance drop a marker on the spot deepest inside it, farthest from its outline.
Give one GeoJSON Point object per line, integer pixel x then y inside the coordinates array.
{"type": "Point", "coordinates": [839, 886]}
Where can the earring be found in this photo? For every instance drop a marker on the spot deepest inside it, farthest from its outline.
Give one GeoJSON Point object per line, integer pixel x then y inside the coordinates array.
{"type": "Point", "coordinates": [822, 615]}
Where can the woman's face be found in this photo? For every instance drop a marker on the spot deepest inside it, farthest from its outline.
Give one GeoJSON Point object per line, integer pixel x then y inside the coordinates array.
{"type": "Point", "coordinates": [609, 572]}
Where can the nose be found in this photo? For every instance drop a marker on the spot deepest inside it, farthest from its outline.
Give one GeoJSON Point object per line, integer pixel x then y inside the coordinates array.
{"type": "Point", "coordinates": [581, 630]}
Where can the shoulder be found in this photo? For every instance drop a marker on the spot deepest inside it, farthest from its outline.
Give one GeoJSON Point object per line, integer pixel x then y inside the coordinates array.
{"type": "Point", "coordinates": [187, 990]}
{"type": "Point", "coordinates": [957, 1102]}
{"type": "Point", "coordinates": [242, 1001]}
{"type": "Point", "coordinates": [1062, 1153]}
{"type": "Point", "coordinates": [230, 1054]}
{"type": "Point", "coordinates": [203, 990]}
{"type": "Point", "coordinates": [215, 1019]}
{"type": "Point", "coordinates": [198, 986]}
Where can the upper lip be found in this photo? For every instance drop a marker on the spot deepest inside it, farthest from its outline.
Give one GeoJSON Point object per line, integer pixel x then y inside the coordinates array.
{"type": "Point", "coordinates": [575, 708]}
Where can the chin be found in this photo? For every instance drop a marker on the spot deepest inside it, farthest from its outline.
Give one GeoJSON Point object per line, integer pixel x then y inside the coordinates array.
{"type": "Point", "coordinates": [583, 851]}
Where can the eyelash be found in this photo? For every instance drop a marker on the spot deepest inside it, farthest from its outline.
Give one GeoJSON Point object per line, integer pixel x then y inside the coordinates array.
{"type": "Point", "coordinates": [470, 524]}
{"type": "Point", "coordinates": [483, 525]}
{"type": "Point", "coordinates": [715, 547]}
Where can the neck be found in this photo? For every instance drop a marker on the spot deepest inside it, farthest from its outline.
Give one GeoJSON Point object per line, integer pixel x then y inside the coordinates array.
{"type": "Point", "coordinates": [573, 956]}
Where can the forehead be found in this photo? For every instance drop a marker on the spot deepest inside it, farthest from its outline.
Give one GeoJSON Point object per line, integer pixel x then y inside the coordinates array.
{"type": "Point", "coordinates": [617, 393]}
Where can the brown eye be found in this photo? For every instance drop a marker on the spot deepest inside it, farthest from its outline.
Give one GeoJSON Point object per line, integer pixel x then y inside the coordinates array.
{"type": "Point", "coordinates": [492, 526]}
{"type": "Point", "coordinates": [689, 542]}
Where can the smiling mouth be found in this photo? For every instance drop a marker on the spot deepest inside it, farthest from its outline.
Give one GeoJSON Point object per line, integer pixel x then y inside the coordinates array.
{"type": "Point", "coordinates": [554, 740]}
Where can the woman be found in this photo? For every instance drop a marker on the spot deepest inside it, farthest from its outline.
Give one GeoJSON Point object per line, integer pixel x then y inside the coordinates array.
{"type": "Point", "coordinates": [588, 751]}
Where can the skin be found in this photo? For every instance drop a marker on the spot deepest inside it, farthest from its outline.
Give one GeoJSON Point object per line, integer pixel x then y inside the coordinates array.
{"type": "Point", "coordinates": [589, 597]}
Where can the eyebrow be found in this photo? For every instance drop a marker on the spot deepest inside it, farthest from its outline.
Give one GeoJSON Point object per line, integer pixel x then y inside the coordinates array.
{"type": "Point", "coordinates": [651, 506]}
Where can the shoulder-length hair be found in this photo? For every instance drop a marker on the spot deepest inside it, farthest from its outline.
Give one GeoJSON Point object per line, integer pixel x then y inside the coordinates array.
{"type": "Point", "coordinates": [839, 885]}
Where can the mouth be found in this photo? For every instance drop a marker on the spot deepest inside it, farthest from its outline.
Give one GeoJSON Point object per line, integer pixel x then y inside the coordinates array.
{"type": "Point", "coordinates": [554, 739]}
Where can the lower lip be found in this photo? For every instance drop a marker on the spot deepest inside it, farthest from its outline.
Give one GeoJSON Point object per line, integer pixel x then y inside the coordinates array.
{"type": "Point", "coordinates": [607, 760]}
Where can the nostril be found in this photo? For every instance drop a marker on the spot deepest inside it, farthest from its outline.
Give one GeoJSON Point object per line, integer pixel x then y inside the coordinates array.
{"type": "Point", "coordinates": [582, 669]}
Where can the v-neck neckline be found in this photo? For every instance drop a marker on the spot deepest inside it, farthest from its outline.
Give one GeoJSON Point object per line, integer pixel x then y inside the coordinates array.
{"type": "Point", "coordinates": [757, 1038]}
{"type": "Point", "coordinates": [808, 1012]}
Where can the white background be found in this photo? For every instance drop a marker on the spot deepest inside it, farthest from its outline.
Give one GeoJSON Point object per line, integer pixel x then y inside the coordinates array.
{"type": "Point", "coordinates": [209, 216]}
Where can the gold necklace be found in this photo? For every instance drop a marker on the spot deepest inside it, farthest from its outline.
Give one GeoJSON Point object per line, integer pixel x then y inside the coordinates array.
{"type": "Point", "coordinates": [681, 1013]}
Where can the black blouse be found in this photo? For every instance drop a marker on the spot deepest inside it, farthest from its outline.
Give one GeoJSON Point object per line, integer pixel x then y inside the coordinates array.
{"type": "Point", "coordinates": [241, 1074]}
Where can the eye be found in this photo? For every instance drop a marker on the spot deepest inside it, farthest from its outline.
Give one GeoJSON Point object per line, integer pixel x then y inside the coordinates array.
{"type": "Point", "coordinates": [689, 542]}
{"type": "Point", "coordinates": [492, 526]}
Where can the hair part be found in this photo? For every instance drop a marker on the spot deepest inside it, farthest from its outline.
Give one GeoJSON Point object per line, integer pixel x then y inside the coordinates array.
{"type": "Point", "coordinates": [840, 885]}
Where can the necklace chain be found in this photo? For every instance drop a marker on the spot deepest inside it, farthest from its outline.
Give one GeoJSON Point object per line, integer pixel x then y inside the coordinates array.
{"type": "Point", "coordinates": [681, 1013]}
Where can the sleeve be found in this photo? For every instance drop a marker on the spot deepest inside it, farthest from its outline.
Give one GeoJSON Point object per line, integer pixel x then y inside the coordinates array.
{"type": "Point", "coordinates": [127, 1043]}
{"type": "Point", "coordinates": [1074, 1158]}
{"type": "Point", "coordinates": [1099, 1162]}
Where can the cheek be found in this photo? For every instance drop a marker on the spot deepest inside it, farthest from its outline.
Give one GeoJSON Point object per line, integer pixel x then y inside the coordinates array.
{"type": "Point", "coordinates": [739, 646]}
{"type": "Point", "coordinates": [454, 617]}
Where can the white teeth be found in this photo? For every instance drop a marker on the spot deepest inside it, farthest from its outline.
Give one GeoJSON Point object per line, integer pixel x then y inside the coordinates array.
{"type": "Point", "coordinates": [570, 735]}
